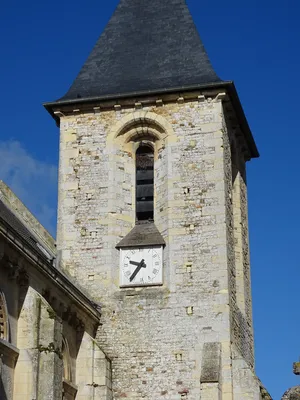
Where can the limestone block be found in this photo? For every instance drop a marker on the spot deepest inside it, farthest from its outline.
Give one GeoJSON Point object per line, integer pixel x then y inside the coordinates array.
{"type": "Point", "coordinates": [50, 358]}
{"type": "Point", "coordinates": [155, 345]}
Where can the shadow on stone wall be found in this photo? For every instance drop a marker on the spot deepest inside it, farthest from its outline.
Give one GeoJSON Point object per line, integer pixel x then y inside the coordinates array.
{"type": "Point", "coordinates": [242, 336]}
{"type": "Point", "coordinates": [2, 392]}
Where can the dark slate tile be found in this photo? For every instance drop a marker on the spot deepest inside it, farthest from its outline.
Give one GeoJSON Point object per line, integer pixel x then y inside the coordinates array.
{"type": "Point", "coordinates": [143, 234]}
{"type": "Point", "coordinates": [146, 46]}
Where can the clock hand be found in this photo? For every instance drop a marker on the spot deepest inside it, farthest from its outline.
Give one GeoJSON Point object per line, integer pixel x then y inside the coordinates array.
{"type": "Point", "coordinates": [134, 263]}
{"type": "Point", "coordinates": [141, 265]}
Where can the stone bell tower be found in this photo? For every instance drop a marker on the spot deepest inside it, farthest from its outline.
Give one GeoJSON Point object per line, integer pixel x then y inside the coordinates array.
{"type": "Point", "coordinates": [152, 215]}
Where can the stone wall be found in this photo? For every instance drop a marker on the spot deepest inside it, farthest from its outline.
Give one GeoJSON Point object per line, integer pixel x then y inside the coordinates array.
{"type": "Point", "coordinates": [41, 308]}
{"type": "Point", "coordinates": [154, 336]}
{"type": "Point", "coordinates": [238, 243]}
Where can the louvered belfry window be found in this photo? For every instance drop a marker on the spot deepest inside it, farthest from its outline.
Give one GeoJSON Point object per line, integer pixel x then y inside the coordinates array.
{"type": "Point", "coordinates": [3, 318]}
{"type": "Point", "coordinates": [144, 183]}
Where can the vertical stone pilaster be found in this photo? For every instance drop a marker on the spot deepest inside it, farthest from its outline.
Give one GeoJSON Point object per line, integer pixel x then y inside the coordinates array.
{"type": "Point", "coordinates": [242, 313]}
{"type": "Point", "coordinates": [210, 391]}
{"type": "Point", "coordinates": [237, 225]}
{"type": "Point", "coordinates": [93, 372]}
{"type": "Point", "coordinates": [26, 371]}
{"type": "Point", "coordinates": [246, 385]}
{"type": "Point", "coordinates": [246, 261]}
{"type": "Point", "coordinates": [50, 358]}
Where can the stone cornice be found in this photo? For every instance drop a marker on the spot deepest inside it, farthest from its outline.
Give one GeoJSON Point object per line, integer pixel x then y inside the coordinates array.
{"type": "Point", "coordinates": [60, 109]}
{"type": "Point", "coordinates": [52, 275]}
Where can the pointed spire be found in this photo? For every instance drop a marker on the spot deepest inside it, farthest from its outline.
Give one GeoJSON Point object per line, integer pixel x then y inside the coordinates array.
{"type": "Point", "coordinates": [147, 46]}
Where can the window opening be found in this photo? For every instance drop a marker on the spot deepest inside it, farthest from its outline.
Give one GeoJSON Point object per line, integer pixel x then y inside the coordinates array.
{"type": "Point", "coordinates": [66, 360]}
{"type": "Point", "coordinates": [144, 183]}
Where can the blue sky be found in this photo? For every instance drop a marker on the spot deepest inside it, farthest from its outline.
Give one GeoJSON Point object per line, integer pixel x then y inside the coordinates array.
{"type": "Point", "coordinates": [256, 44]}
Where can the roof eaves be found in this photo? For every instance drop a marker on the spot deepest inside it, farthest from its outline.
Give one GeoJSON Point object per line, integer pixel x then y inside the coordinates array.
{"type": "Point", "coordinates": [234, 97]}
{"type": "Point", "coordinates": [229, 85]}
{"type": "Point", "coordinates": [61, 103]}
{"type": "Point", "coordinates": [133, 94]}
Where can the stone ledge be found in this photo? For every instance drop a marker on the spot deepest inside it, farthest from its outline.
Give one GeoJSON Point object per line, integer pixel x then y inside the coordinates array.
{"type": "Point", "coordinates": [69, 389]}
{"type": "Point", "coordinates": [9, 350]}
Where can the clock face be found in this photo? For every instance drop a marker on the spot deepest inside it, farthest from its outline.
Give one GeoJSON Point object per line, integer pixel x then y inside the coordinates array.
{"type": "Point", "coordinates": [140, 267]}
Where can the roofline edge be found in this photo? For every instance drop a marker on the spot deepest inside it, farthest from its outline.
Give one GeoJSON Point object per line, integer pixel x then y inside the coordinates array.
{"type": "Point", "coordinates": [52, 272]}
{"type": "Point", "coordinates": [222, 84]}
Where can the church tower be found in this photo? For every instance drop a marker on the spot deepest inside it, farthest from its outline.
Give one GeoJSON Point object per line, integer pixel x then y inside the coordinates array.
{"type": "Point", "coordinates": [152, 214]}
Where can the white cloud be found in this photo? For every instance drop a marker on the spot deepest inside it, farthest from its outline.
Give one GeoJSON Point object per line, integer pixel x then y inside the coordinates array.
{"type": "Point", "coordinates": [33, 181]}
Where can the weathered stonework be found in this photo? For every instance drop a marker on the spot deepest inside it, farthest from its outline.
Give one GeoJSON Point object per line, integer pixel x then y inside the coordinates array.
{"type": "Point", "coordinates": [153, 150]}
{"type": "Point", "coordinates": [294, 392]}
{"type": "Point", "coordinates": [40, 309]}
{"type": "Point", "coordinates": [155, 336]}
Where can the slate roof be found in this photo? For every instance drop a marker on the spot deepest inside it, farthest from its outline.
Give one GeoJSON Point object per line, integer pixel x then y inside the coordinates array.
{"type": "Point", "coordinates": [147, 46]}
{"type": "Point", "coordinates": [143, 234]}
{"type": "Point", "coordinates": [10, 219]}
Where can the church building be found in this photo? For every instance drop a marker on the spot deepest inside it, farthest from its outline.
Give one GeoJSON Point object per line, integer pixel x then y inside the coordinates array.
{"type": "Point", "coordinates": [147, 294]}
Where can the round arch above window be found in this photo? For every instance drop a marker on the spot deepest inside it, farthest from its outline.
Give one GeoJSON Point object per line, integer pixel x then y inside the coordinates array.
{"type": "Point", "coordinates": [141, 125]}
{"type": "Point", "coordinates": [4, 324]}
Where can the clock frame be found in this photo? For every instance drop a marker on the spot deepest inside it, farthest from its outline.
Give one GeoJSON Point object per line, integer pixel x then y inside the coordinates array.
{"type": "Point", "coordinates": [141, 266]}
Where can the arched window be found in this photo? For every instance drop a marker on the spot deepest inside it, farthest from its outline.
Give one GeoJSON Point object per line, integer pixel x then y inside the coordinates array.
{"type": "Point", "coordinates": [4, 331]}
{"type": "Point", "coordinates": [67, 374]}
{"type": "Point", "coordinates": [69, 389]}
{"type": "Point", "coordinates": [144, 183]}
